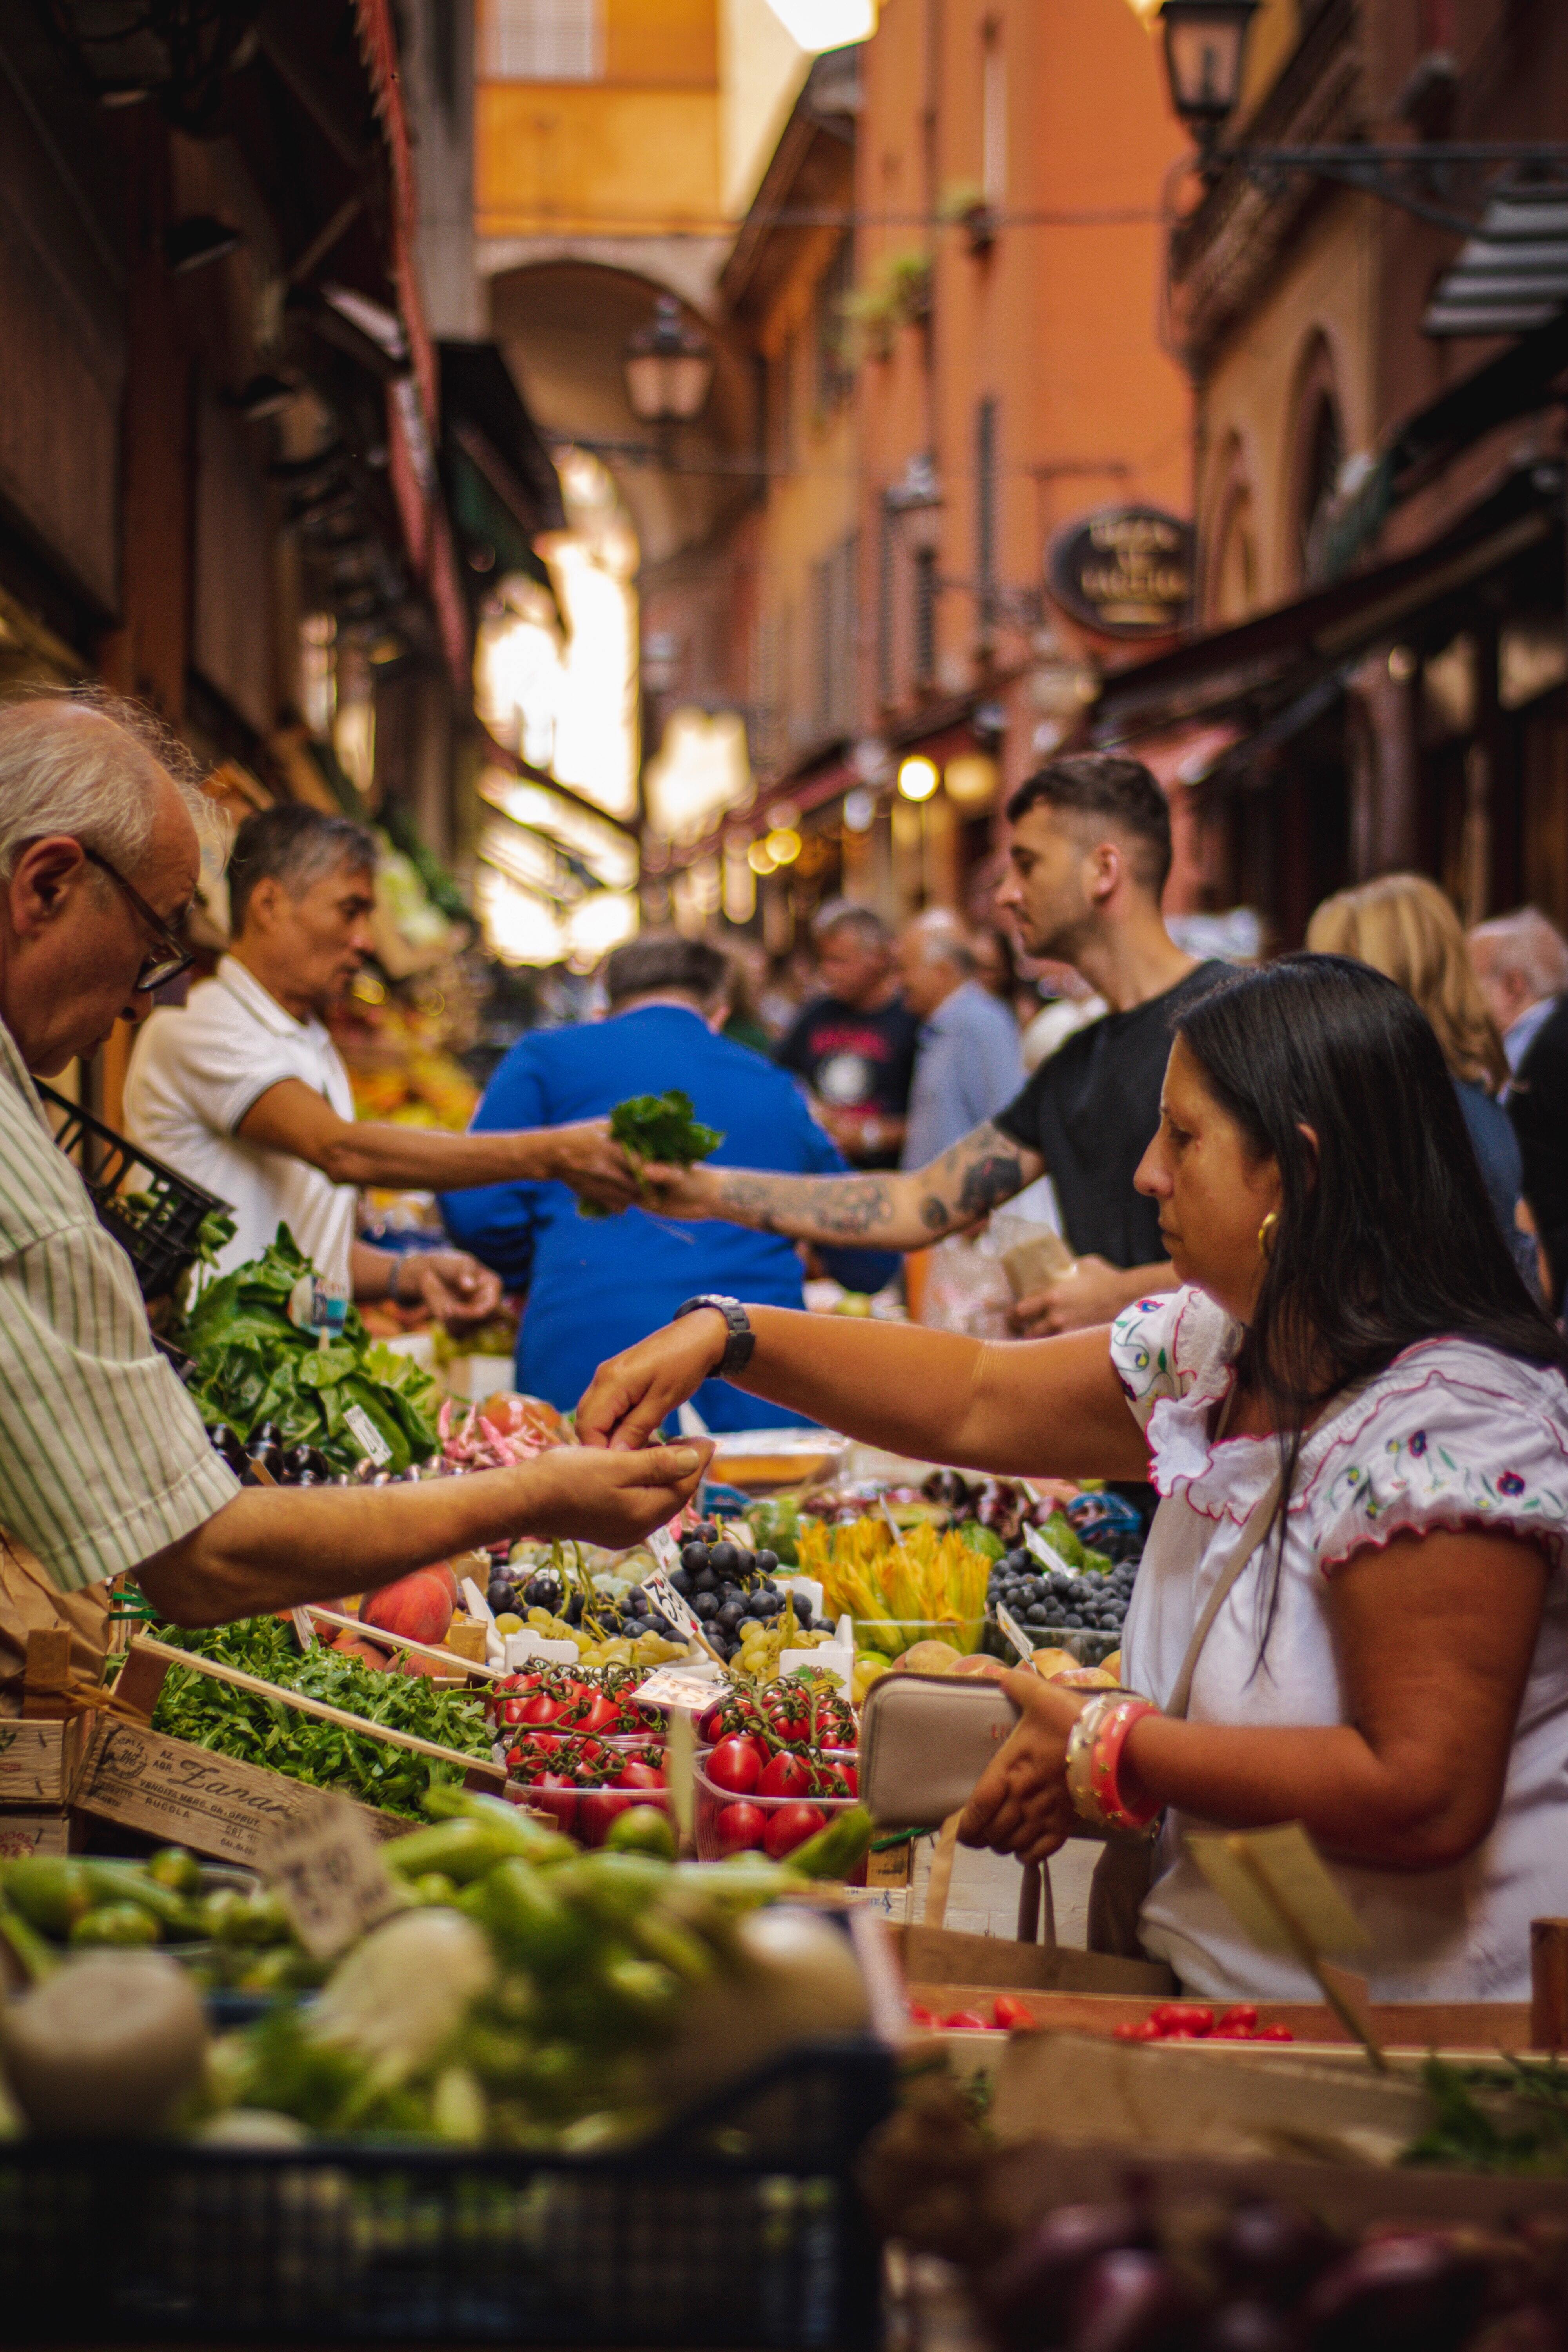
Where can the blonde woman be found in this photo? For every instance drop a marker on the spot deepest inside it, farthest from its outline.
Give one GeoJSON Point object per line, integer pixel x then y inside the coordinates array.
{"type": "Point", "coordinates": [1402, 926]}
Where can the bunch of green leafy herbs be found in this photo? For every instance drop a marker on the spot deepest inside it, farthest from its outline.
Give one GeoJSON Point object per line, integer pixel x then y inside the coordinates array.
{"type": "Point", "coordinates": [662, 1127]}
{"type": "Point", "coordinates": [253, 1365]}
{"type": "Point", "coordinates": [227, 1721]}
{"type": "Point", "coordinates": [1511, 2117]}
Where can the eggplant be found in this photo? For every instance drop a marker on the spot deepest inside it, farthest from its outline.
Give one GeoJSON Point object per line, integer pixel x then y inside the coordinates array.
{"type": "Point", "coordinates": [1248, 2326]}
{"type": "Point", "coordinates": [1028, 2296]}
{"type": "Point", "coordinates": [1134, 2301]}
{"type": "Point", "coordinates": [947, 1486]}
{"type": "Point", "coordinates": [227, 1443]}
{"type": "Point", "coordinates": [268, 1456]}
{"type": "Point", "coordinates": [266, 1433]}
{"type": "Point", "coordinates": [305, 1459]}
{"type": "Point", "coordinates": [1272, 2253]}
{"type": "Point", "coordinates": [1417, 2293]}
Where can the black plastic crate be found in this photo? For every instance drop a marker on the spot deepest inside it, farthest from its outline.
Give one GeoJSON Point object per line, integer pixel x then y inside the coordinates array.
{"type": "Point", "coordinates": [741, 2227]}
{"type": "Point", "coordinates": [161, 1242]}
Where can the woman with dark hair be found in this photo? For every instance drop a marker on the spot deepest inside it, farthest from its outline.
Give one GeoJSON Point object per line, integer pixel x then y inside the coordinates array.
{"type": "Point", "coordinates": [1351, 1610]}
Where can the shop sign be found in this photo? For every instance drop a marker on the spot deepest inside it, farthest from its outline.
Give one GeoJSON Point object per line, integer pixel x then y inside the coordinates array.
{"type": "Point", "coordinates": [1127, 570]}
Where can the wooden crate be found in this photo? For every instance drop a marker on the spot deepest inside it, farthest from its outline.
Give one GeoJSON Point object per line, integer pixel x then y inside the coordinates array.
{"type": "Point", "coordinates": [38, 1761]}
{"type": "Point", "coordinates": [186, 1795]}
{"type": "Point", "coordinates": [46, 1829]}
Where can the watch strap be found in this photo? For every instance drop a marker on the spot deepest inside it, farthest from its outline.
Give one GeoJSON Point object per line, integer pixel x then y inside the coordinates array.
{"type": "Point", "coordinates": [738, 1348]}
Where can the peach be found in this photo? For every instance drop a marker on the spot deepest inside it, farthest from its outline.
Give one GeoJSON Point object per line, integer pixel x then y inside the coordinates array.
{"type": "Point", "coordinates": [416, 1608]}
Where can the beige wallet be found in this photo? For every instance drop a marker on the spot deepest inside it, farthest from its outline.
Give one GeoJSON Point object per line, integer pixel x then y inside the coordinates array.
{"type": "Point", "coordinates": [925, 1739]}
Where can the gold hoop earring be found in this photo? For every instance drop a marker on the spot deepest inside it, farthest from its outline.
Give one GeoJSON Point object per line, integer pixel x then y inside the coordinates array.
{"type": "Point", "coordinates": [1266, 1235]}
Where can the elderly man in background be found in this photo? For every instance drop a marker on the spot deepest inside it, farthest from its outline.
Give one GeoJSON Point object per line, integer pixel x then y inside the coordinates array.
{"type": "Point", "coordinates": [242, 1090]}
{"type": "Point", "coordinates": [853, 1047]}
{"type": "Point", "coordinates": [1522, 962]}
{"type": "Point", "coordinates": [968, 1061]}
{"type": "Point", "coordinates": [104, 1462]}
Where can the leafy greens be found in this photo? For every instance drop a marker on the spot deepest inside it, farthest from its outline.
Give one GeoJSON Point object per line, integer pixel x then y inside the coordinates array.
{"type": "Point", "coordinates": [254, 1365]}
{"type": "Point", "coordinates": [659, 1127]}
{"type": "Point", "coordinates": [256, 1730]}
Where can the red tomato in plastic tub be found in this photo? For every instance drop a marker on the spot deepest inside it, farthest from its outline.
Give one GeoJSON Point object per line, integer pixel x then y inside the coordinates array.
{"type": "Point", "coordinates": [635, 1774]}
{"type": "Point", "coordinates": [790, 1826]}
{"type": "Point", "coordinates": [543, 1708]}
{"type": "Point", "coordinates": [600, 1714]}
{"type": "Point", "coordinates": [711, 1722]}
{"type": "Point", "coordinates": [785, 1774]}
{"type": "Point", "coordinates": [736, 1766]}
{"type": "Point", "coordinates": [742, 1828]}
{"type": "Point", "coordinates": [597, 1809]}
{"type": "Point", "coordinates": [514, 1710]}
{"type": "Point", "coordinates": [1011, 2015]}
{"type": "Point", "coordinates": [556, 1795]}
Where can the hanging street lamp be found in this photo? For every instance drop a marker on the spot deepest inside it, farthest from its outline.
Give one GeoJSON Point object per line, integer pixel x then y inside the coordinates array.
{"type": "Point", "coordinates": [668, 368]}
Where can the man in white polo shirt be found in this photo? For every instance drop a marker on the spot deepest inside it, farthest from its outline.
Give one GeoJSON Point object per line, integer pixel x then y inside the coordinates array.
{"type": "Point", "coordinates": [242, 1090]}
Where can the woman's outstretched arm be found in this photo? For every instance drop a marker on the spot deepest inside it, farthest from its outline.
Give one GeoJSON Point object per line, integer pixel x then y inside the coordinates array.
{"type": "Point", "coordinates": [1052, 1407]}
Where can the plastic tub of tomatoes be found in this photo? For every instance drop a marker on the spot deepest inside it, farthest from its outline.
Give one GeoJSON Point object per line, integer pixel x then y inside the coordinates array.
{"type": "Point", "coordinates": [748, 1803]}
{"type": "Point", "coordinates": [585, 1784]}
{"type": "Point", "coordinates": [586, 1703]}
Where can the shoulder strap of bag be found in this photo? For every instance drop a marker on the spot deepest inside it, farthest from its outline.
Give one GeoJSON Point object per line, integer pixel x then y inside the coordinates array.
{"type": "Point", "coordinates": [1253, 1527]}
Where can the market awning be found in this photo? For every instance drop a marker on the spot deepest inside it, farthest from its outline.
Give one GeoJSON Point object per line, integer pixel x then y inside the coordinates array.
{"type": "Point", "coordinates": [1512, 275]}
{"type": "Point", "coordinates": [1253, 670]}
{"type": "Point", "coordinates": [501, 484]}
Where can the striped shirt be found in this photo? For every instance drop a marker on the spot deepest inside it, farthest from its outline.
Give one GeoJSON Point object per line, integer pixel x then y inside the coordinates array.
{"type": "Point", "coordinates": [103, 1457]}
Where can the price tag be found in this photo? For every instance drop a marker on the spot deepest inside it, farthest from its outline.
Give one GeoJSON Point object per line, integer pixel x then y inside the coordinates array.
{"type": "Point", "coordinates": [680, 1690]}
{"type": "Point", "coordinates": [1046, 1553]}
{"type": "Point", "coordinates": [669, 1604]}
{"type": "Point", "coordinates": [663, 1548]}
{"type": "Point", "coordinates": [1015, 1632]}
{"type": "Point", "coordinates": [328, 1875]}
{"type": "Point", "coordinates": [368, 1438]}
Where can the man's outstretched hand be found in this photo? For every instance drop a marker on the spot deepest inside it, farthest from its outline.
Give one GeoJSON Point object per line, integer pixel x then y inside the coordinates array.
{"type": "Point", "coordinates": [583, 1156]}
{"type": "Point", "coordinates": [629, 1398]}
{"type": "Point", "coordinates": [612, 1498]}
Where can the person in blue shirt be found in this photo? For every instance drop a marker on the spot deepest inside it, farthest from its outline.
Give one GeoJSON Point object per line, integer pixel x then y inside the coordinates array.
{"type": "Point", "coordinates": [596, 1285]}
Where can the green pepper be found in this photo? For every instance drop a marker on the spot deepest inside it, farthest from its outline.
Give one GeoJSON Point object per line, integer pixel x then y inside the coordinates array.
{"type": "Point", "coordinates": [115, 1923]}
{"type": "Point", "coordinates": [519, 1833]}
{"type": "Point", "coordinates": [27, 1946]}
{"type": "Point", "coordinates": [127, 1881]}
{"type": "Point", "coordinates": [615, 1887]}
{"type": "Point", "coordinates": [461, 1850]}
{"type": "Point", "coordinates": [174, 1867]}
{"type": "Point", "coordinates": [432, 1886]}
{"type": "Point", "coordinates": [839, 1849]}
{"type": "Point", "coordinates": [645, 1830]}
{"type": "Point", "coordinates": [648, 1993]}
{"type": "Point", "coordinates": [517, 1906]}
{"type": "Point", "coordinates": [669, 1942]}
{"type": "Point", "coordinates": [51, 1892]}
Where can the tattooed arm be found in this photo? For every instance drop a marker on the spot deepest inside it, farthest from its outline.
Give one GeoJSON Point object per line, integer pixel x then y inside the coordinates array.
{"type": "Point", "coordinates": [904, 1209]}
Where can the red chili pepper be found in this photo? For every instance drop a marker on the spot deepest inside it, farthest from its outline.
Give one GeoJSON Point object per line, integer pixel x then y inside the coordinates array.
{"type": "Point", "coordinates": [967, 2021]}
{"type": "Point", "coordinates": [1140, 2029]}
{"type": "Point", "coordinates": [1223, 2033]}
{"type": "Point", "coordinates": [1011, 2014]}
{"type": "Point", "coordinates": [1274, 2034]}
{"type": "Point", "coordinates": [1240, 2013]}
{"type": "Point", "coordinates": [919, 2015]}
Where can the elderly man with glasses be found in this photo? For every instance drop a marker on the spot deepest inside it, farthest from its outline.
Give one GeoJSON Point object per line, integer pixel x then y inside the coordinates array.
{"type": "Point", "coordinates": [104, 1464]}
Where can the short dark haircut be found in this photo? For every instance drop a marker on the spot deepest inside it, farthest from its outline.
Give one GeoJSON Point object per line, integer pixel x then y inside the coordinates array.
{"type": "Point", "coordinates": [293, 846]}
{"type": "Point", "coordinates": [1118, 791]}
{"type": "Point", "coordinates": [665, 960]}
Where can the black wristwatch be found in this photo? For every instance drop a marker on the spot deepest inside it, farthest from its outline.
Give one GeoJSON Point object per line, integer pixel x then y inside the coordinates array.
{"type": "Point", "coordinates": [737, 1353]}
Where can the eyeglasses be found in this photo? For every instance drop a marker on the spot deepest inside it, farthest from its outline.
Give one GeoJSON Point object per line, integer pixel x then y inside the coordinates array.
{"type": "Point", "coordinates": [157, 968]}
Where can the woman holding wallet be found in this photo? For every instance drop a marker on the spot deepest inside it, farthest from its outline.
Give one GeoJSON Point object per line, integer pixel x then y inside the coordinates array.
{"type": "Point", "coordinates": [1352, 1611]}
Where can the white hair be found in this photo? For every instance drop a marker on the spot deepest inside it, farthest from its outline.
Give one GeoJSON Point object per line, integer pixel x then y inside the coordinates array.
{"type": "Point", "coordinates": [1524, 944]}
{"type": "Point", "coordinates": [90, 765]}
{"type": "Point", "coordinates": [943, 937]}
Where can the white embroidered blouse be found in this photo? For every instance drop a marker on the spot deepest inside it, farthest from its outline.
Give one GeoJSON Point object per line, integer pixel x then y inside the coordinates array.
{"type": "Point", "coordinates": [1451, 1435]}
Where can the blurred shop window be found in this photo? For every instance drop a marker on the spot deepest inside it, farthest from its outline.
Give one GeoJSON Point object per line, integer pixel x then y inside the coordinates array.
{"type": "Point", "coordinates": [830, 327]}
{"type": "Point", "coordinates": [834, 638]}
{"type": "Point", "coordinates": [544, 40]}
{"type": "Point", "coordinates": [318, 673]}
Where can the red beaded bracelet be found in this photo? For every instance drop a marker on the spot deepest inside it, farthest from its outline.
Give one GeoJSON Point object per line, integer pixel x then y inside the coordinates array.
{"type": "Point", "coordinates": [1094, 1753]}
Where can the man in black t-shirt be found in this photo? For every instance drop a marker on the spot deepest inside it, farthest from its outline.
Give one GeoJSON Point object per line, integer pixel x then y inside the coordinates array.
{"type": "Point", "coordinates": [855, 1046]}
{"type": "Point", "coordinates": [1089, 853]}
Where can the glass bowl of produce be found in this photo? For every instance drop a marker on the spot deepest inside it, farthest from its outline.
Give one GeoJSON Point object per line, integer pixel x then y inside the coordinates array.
{"type": "Point", "coordinates": [770, 1804]}
{"type": "Point", "coordinates": [762, 1461]}
{"type": "Point", "coordinates": [897, 1637]}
